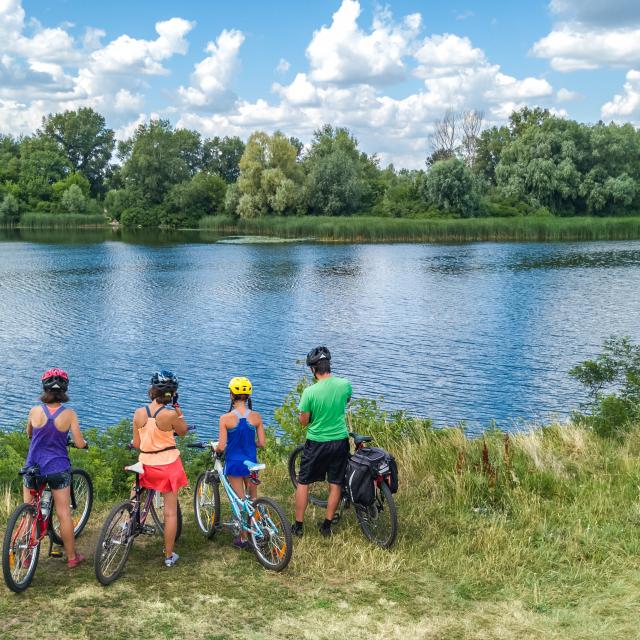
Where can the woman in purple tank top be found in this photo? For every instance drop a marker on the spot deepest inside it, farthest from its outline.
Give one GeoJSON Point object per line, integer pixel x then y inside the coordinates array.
{"type": "Point", "coordinates": [48, 427]}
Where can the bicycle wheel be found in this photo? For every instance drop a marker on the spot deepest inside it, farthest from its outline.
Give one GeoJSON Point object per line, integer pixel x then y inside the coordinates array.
{"type": "Point", "coordinates": [157, 513]}
{"type": "Point", "coordinates": [206, 504]}
{"type": "Point", "coordinates": [273, 548]}
{"type": "Point", "coordinates": [318, 491]}
{"type": "Point", "coordinates": [379, 522]}
{"type": "Point", "coordinates": [21, 548]}
{"type": "Point", "coordinates": [81, 504]}
{"type": "Point", "coordinates": [114, 543]}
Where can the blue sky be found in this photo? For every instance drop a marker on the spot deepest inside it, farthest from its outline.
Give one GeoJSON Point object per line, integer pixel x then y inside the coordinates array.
{"type": "Point", "coordinates": [387, 71]}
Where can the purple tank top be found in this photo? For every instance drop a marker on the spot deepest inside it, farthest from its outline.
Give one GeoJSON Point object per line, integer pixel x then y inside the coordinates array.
{"type": "Point", "coordinates": [48, 447]}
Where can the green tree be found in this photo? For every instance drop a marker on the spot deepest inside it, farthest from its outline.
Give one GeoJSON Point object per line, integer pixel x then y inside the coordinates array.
{"type": "Point", "coordinates": [341, 180]}
{"type": "Point", "coordinates": [9, 160]}
{"type": "Point", "coordinates": [156, 158]}
{"type": "Point", "coordinates": [117, 201]}
{"type": "Point", "coordinates": [73, 200]}
{"type": "Point", "coordinates": [60, 187]}
{"type": "Point", "coordinates": [42, 164]}
{"type": "Point", "coordinates": [85, 140]}
{"type": "Point", "coordinates": [9, 209]}
{"type": "Point", "coordinates": [451, 187]}
{"type": "Point", "coordinates": [187, 202]}
{"type": "Point", "coordinates": [222, 156]}
{"type": "Point", "coordinates": [271, 179]}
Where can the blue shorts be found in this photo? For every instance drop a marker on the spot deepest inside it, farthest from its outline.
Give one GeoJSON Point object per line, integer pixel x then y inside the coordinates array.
{"type": "Point", "coordinates": [59, 480]}
{"type": "Point", "coordinates": [236, 469]}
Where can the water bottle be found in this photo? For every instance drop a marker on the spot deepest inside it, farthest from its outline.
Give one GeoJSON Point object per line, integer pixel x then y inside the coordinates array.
{"type": "Point", "coordinates": [45, 503]}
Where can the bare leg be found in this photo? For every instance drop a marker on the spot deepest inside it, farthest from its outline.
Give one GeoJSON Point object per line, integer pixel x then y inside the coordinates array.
{"type": "Point", "coordinates": [170, 521]}
{"type": "Point", "coordinates": [26, 495]}
{"type": "Point", "coordinates": [335, 491]}
{"type": "Point", "coordinates": [302, 498]}
{"type": "Point", "coordinates": [238, 485]}
{"type": "Point", "coordinates": [62, 501]}
{"type": "Point", "coordinates": [251, 488]}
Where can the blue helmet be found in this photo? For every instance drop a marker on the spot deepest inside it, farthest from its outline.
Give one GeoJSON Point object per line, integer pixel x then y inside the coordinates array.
{"type": "Point", "coordinates": [165, 380]}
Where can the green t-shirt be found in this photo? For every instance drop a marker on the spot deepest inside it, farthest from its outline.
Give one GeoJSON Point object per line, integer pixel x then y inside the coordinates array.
{"type": "Point", "coordinates": [326, 401]}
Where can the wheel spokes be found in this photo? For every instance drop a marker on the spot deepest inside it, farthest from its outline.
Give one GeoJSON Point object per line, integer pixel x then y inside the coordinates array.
{"type": "Point", "coordinates": [115, 542]}
{"type": "Point", "coordinates": [22, 551]}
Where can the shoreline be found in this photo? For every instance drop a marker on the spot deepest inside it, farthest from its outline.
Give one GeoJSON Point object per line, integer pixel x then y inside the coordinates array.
{"type": "Point", "coordinates": [358, 229]}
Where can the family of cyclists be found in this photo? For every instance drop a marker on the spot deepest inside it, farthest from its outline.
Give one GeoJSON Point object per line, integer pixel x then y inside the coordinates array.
{"type": "Point", "coordinates": [155, 425]}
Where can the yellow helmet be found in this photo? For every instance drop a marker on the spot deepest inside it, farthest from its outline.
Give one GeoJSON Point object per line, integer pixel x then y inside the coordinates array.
{"type": "Point", "coordinates": [240, 386]}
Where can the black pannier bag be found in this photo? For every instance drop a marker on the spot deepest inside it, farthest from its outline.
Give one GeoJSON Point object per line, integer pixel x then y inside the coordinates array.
{"type": "Point", "coordinates": [363, 466]}
{"type": "Point", "coordinates": [391, 473]}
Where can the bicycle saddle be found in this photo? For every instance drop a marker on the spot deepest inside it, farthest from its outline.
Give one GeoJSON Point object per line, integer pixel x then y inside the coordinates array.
{"type": "Point", "coordinates": [358, 439]}
{"type": "Point", "coordinates": [138, 467]}
{"type": "Point", "coordinates": [254, 466]}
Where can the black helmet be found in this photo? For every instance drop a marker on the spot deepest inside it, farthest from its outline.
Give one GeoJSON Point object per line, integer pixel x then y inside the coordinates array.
{"type": "Point", "coordinates": [165, 380]}
{"type": "Point", "coordinates": [316, 355]}
{"type": "Point", "coordinates": [57, 379]}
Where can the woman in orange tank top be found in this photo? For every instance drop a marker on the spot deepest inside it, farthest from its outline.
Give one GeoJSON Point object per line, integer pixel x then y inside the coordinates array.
{"type": "Point", "coordinates": [154, 428]}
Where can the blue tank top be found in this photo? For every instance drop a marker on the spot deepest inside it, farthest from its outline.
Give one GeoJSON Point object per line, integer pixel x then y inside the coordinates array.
{"type": "Point", "coordinates": [241, 440]}
{"type": "Point", "coordinates": [48, 447]}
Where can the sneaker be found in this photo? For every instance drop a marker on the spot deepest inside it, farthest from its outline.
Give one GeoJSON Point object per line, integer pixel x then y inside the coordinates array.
{"type": "Point", "coordinates": [171, 560]}
{"type": "Point", "coordinates": [72, 564]}
{"type": "Point", "coordinates": [239, 543]}
{"type": "Point", "coordinates": [324, 530]}
{"type": "Point", "coordinates": [297, 530]}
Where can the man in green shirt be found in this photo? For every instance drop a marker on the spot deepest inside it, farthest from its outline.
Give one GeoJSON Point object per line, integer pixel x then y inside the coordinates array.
{"type": "Point", "coordinates": [326, 451]}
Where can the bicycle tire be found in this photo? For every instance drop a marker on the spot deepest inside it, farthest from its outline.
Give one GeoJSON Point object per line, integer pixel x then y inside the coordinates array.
{"type": "Point", "coordinates": [368, 515]}
{"type": "Point", "coordinates": [159, 521]}
{"type": "Point", "coordinates": [9, 544]}
{"type": "Point", "coordinates": [282, 556]}
{"type": "Point", "coordinates": [104, 574]}
{"type": "Point", "coordinates": [204, 483]}
{"type": "Point", "coordinates": [318, 491]}
{"type": "Point", "coordinates": [80, 515]}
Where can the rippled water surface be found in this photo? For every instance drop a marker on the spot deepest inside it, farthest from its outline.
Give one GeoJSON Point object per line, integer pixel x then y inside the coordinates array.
{"type": "Point", "coordinates": [470, 332]}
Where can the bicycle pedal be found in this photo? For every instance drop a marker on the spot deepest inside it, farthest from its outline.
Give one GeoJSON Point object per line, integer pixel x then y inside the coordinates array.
{"type": "Point", "coordinates": [148, 530]}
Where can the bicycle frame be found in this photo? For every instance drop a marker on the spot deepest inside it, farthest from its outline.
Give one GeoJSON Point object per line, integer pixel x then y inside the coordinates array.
{"type": "Point", "coordinates": [242, 508]}
{"type": "Point", "coordinates": [140, 510]}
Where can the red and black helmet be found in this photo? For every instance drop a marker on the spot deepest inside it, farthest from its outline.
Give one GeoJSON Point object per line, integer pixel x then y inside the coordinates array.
{"type": "Point", "coordinates": [55, 379]}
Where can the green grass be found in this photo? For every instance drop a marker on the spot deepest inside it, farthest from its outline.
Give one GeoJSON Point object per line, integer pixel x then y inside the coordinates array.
{"type": "Point", "coordinates": [536, 536]}
{"type": "Point", "coordinates": [61, 220]}
{"type": "Point", "coordinates": [372, 229]}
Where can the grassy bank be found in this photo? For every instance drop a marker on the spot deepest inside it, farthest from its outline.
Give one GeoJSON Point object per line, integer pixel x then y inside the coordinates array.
{"type": "Point", "coordinates": [532, 536]}
{"type": "Point", "coordinates": [371, 229]}
{"type": "Point", "coordinates": [61, 220]}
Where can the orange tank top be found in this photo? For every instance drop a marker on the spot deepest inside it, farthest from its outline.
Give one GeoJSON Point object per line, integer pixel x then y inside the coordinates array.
{"type": "Point", "coordinates": [157, 447]}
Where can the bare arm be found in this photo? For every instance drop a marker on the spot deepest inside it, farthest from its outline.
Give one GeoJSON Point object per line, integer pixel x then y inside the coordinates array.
{"type": "Point", "coordinates": [29, 425]}
{"type": "Point", "coordinates": [138, 421]}
{"type": "Point", "coordinates": [261, 441]}
{"type": "Point", "coordinates": [304, 418]}
{"type": "Point", "coordinates": [222, 436]}
{"type": "Point", "coordinates": [78, 439]}
{"type": "Point", "coordinates": [179, 424]}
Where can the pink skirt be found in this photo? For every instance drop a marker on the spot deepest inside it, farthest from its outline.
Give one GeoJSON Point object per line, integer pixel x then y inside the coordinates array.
{"type": "Point", "coordinates": [164, 478]}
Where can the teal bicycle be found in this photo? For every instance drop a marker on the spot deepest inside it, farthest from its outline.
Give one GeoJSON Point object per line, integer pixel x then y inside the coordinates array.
{"type": "Point", "coordinates": [262, 519]}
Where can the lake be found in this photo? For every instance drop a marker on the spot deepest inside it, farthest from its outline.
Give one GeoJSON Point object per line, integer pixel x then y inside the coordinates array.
{"type": "Point", "coordinates": [468, 332]}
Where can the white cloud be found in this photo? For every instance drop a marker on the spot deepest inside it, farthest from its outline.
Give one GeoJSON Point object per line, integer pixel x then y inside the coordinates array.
{"type": "Point", "coordinates": [212, 76]}
{"type": "Point", "coordinates": [127, 102]}
{"type": "Point", "coordinates": [566, 95]}
{"type": "Point", "coordinates": [600, 13]}
{"type": "Point", "coordinates": [571, 47]}
{"type": "Point", "coordinates": [283, 66]}
{"type": "Point", "coordinates": [446, 53]}
{"type": "Point", "coordinates": [344, 54]}
{"type": "Point", "coordinates": [625, 106]}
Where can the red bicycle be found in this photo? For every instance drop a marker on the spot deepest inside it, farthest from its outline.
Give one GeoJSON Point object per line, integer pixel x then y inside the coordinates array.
{"type": "Point", "coordinates": [33, 521]}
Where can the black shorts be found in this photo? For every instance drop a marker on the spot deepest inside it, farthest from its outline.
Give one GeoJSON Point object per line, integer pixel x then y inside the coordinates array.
{"type": "Point", "coordinates": [324, 461]}
{"type": "Point", "coordinates": [60, 480]}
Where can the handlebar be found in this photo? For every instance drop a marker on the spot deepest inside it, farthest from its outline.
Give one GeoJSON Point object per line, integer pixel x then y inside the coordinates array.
{"type": "Point", "coordinates": [72, 445]}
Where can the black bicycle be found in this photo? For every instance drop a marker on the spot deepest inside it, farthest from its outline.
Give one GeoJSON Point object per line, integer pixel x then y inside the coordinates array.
{"type": "Point", "coordinates": [124, 524]}
{"type": "Point", "coordinates": [379, 520]}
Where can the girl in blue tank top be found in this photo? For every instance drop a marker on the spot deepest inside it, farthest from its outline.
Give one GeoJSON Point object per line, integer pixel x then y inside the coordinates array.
{"type": "Point", "coordinates": [241, 432]}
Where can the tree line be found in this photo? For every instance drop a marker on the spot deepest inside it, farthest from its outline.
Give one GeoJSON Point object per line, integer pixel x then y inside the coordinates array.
{"type": "Point", "coordinates": [535, 164]}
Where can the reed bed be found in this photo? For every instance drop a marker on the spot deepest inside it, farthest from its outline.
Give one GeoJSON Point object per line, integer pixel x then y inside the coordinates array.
{"type": "Point", "coordinates": [61, 220]}
{"type": "Point", "coordinates": [375, 229]}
